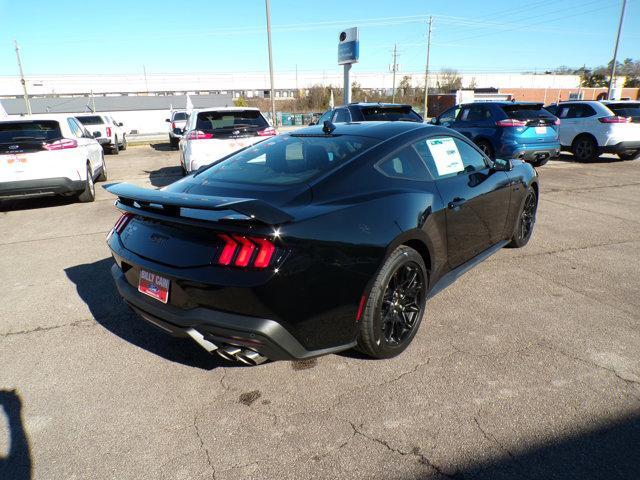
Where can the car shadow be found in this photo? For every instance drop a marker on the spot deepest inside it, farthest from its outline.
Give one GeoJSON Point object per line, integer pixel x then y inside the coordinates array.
{"type": "Point", "coordinates": [164, 176]}
{"type": "Point", "coordinates": [609, 451]}
{"type": "Point", "coordinates": [96, 288]}
{"type": "Point", "coordinates": [163, 147]}
{"type": "Point", "coordinates": [17, 465]}
{"type": "Point", "coordinates": [567, 157]}
{"type": "Point", "coordinates": [31, 203]}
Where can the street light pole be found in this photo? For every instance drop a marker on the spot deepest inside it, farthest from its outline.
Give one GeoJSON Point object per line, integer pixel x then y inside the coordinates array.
{"type": "Point", "coordinates": [394, 68]}
{"type": "Point", "coordinates": [22, 80]}
{"type": "Point", "coordinates": [615, 50]}
{"type": "Point", "coordinates": [426, 73]}
{"type": "Point", "coordinates": [273, 100]}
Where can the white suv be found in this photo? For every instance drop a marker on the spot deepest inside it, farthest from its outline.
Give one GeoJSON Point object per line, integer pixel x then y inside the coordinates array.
{"type": "Point", "coordinates": [211, 134]}
{"type": "Point", "coordinates": [112, 136]}
{"type": "Point", "coordinates": [589, 128]}
{"type": "Point", "coordinates": [49, 155]}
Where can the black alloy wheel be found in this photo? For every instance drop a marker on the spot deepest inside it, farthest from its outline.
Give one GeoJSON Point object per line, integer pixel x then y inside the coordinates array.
{"type": "Point", "coordinates": [526, 220]}
{"type": "Point", "coordinates": [395, 305]}
{"type": "Point", "coordinates": [585, 149]}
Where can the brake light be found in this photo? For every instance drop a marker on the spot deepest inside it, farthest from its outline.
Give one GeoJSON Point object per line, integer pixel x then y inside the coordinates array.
{"type": "Point", "coordinates": [267, 132]}
{"type": "Point", "coordinates": [122, 222]}
{"type": "Point", "coordinates": [108, 131]}
{"type": "Point", "coordinates": [61, 144]}
{"type": "Point", "coordinates": [511, 122]}
{"type": "Point", "coordinates": [614, 119]}
{"type": "Point", "coordinates": [198, 135]}
{"type": "Point", "coordinates": [173, 125]}
{"type": "Point", "coordinates": [239, 251]}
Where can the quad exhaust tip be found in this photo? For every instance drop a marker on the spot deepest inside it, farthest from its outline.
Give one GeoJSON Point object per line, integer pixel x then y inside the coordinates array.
{"type": "Point", "coordinates": [242, 355]}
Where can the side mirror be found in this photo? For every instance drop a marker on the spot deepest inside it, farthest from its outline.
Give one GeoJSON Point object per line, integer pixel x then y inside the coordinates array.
{"type": "Point", "coordinates": [502, 165]}
{"type": "Point", "coordinates": [96, 134]}
{"type": "Point", "coordinates": [167, 120]}
{"type": "Point", "coordinates": [121, 124]}
{"type": "Point", "coordinates": [434, 121]}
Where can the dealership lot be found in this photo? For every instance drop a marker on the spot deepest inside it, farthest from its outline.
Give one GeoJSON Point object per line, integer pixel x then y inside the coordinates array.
{"type": "Point", "coordinates": [526, 367]}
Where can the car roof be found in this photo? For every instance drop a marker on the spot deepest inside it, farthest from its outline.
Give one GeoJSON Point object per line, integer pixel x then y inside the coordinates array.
{"type": "Point", "coordinates": [499, 104]}
{"type": "Point", "coordinates": [607, 102]}
{"type": "Point", "coordinates": [379, 130]}
{"type": "Point", "coordinates": [377, 104]}
{"type": "Point", "coordinates": [224, 109]}
{"type": "Point", "coordinates": [50, 116]}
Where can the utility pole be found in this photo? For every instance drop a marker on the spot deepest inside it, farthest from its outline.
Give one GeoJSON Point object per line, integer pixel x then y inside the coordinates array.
{"type": "Point", "coordinates": [394, 68]}
{"type": "Point", "coordinates": [22, 80]}
{"type": "Point", "coordinates": [615, 50]}
{"type": "Point", "coordinates": [426, 73]}
{"type": "Point", "coordinates": [93, 102]}
{"type": "Point", "coordinates": [146, 84]}
{"type": "Point", "coordinates": [273, 100]}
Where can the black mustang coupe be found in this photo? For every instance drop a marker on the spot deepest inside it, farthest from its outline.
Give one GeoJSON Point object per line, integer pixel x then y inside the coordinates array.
{"type": "Point", "coordinates": [317, 241]}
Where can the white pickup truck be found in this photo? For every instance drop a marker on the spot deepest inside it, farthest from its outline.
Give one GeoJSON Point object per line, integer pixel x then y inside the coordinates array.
{"type": "Point", "coordinates": [112, 136]}
{"type": "Point", "coordinates": [177, 120]}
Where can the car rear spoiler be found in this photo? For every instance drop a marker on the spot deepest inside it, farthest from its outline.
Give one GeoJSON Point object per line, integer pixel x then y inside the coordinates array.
{"type": "Point", "coordinates": [171, 202]}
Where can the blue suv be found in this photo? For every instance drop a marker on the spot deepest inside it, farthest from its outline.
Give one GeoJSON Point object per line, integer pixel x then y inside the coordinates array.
{"type": "Point", "coordinates": [506, 129]}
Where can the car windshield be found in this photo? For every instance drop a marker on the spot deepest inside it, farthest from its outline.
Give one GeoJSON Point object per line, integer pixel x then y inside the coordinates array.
{"type": "Point", "coordinates": [286, 160]}
{"type": "Point", "coordinates": [393, 114]}
{"type": "Point", "coordinates": [625, 109]}
{"type": "Point", "coordinates": [44, 130]}
{"type": "Point", "coordinates": [179, 116]}
{"type": "Point", "coordinates": [526, 111]}
{"type": "Point", "coordinates": [92, 120]}
{"type": "Point", "coordinates": [226, 120]}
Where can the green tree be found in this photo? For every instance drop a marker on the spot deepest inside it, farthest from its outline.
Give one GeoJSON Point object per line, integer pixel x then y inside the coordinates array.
{"type": "Point", "coordinates": [240, 102]}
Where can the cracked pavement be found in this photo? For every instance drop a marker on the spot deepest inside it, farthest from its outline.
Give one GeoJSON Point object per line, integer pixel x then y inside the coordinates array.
{"type": "Point", "coordinates": [527, 367]}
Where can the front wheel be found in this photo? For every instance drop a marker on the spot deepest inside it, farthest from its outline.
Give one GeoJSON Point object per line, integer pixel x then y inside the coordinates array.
{"type": "Point", "coordinates": [395, 306]}
{"type": "Point", "coordinates": [526, 220]}
{"type": "Point", "coordinates": [629, 155]}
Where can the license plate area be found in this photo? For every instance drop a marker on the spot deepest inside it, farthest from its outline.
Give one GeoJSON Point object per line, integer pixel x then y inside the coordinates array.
{"type": "Point", "coordinates": [541, 130]}
{"type": "Point", "coordinates": [154, 285]}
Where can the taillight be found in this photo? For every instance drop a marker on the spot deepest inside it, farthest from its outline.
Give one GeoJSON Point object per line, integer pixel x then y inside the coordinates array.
{"type": "Point", "coordinates": [511, 122]}
{"type": "Point", "coordinates": [173, 125]}
{"type": "Point", "coordinates": [122, 222]}
{"type": "Point", "coordinates": [614, 119]}
{"type": "Point", "coordinates": [108, 131]}
{"type": "Point", "coordinates": [240, 251]}
{"type": "Point", "coordinates": [198, 135]}
{"type": "Point", "coordinates": [61, 144]}
{"type": "Point", "coordinates": [267, 132]}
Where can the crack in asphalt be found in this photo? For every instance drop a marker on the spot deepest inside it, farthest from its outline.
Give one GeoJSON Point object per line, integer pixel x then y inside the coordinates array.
{"type": "Point", "coordinates": [46, 329]}
{"type": "Point", "coordinates": [628, 381]}
{"type": "Point", "coordinates": [202, 447]}
{"type": "Point", "coordinates": [491, 438]}
{"type": "Point", "coordinates": [415, 452]}
{"type": "Point", "coordinates": [75, 235]}
{"type": "Point", "coordinates": [491, 354]}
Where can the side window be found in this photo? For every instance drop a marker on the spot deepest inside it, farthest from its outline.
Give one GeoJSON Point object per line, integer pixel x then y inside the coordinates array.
{"type": "Point", "coordinates": [553, 109]}
{"type": "Point", "coordinates": [75, 128]}
{"type": "Point", "coordinates": [404, 164]}
{"type": "Point", "coordinates": [448, 156]}
{"type": "Point", "coordinates": [342, 115]}
{"type": "Point", "coordinates": [450, 115]}
{"type": "Point", "coordinates": [475, 113]}
{"type": "Point", "coordinates": [578, 111]}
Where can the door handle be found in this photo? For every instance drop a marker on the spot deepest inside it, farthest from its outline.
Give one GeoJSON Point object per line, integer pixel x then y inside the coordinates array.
{"type": "Point", "coordinates": [456, 203]}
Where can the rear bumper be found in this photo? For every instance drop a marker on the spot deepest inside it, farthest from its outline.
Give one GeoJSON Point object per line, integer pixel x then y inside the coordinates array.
{"type": "Point", "coordinates": [41, 186]}
{"type": "Point", "coordinates": [265, 336]}
{"type": "Point", "coordinates": [530, 153]}
{"type": "Point", "coordinates": [621, 147]}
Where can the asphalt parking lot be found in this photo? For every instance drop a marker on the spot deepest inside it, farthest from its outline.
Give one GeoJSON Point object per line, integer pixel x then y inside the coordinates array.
{"type": "Point", "coordinates": [527, 367]}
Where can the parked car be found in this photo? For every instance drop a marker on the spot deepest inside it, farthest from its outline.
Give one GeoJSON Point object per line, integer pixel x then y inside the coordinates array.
{"type": "Point", "coordinates": [177, 121]}
{"type": "Point", "coordinates": [49, 155]}
{"type": "Point", "coordinates": [112, 137]}
{"type": "Point", "coordinates": [506, 129]}
{"type": "Point", "coordinates": [369, 112]}
{"type": "Point", "coordinates": [211, 134]}
{"type": "Point", "coordinates": [272, 252]}
{"type": "Point", "coordinates": [590, 128]}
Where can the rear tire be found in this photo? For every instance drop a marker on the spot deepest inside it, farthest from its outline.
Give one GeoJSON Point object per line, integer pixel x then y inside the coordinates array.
{"type": "Point", "coordinates": [526, 220]}
{"type": "Point", "coordinates": [124, 143]}
{"type": "Point", "coordinates": [89, 192]}
{"type": "Point", "coordinates": [584, 149]}
{"type": "Point", "coordinates": [115, 149]}
{"type": "Point", "coordinates": [539, 163]}
{"type": "Point", "coordinates": [395, 306]}
{"type": "Point", "coordinates": [174, 142]}
{"type": "Point", "coordinates": [103, 175]}
{"type": "Point", "coordinates": [629, 155]}
{"type": "Point", "coordinates": [486, 148]}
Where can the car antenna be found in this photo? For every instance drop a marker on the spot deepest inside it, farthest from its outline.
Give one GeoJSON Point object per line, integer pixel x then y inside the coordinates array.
{"type": "Point", "coordinates": [328, 127]}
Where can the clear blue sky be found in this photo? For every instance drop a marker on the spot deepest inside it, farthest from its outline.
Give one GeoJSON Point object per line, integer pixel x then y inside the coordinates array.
{"type": "Point", "coordinates": [222, 36]}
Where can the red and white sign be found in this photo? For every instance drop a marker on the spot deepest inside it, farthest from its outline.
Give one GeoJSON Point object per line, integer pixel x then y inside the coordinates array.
{"type": "Point", "coordinates": [154, 285]}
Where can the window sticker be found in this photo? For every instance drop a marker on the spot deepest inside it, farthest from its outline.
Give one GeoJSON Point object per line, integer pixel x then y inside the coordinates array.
{"type": "Point", "coordinates": [445, 155]}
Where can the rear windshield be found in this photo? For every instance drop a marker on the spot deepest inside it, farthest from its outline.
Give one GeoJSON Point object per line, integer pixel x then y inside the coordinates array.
{"type": "Point", "coordinates": [286, 160]}
{"type": "Point", "coordinates": [526, 112]}
{"type": "Point", "coordinates": [93, 120]}
{"type": "Point", "coordinates": [392, 114]}
{"type": "Point", "coordinates": [625, 109]}
{"type": "Point", "coordinates": [180, 116]}
{"type": "Point", "coordinates": [29, 130]}
{"type": "Point", "coordinates": [210, 121]}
